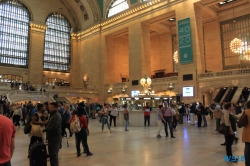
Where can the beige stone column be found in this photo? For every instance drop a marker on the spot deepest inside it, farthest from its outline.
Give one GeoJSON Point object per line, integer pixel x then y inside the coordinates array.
{"type": "Point", "coordinates": [76, 77]}
{"type": "Point", "coordinates": [37, 34]}
{"type": "Point", "coordinates": [139, 51]}
{"type": "Point", "coordinates": [189, 10]}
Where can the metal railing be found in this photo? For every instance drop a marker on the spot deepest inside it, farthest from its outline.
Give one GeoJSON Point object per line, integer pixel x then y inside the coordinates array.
{"type": "Point", "coordinates": [234, 72]}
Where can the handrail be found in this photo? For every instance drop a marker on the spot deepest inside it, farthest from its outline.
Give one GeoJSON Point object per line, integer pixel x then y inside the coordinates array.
{"type": "Point", "coordinates": [15, 92]}
{"type": "Point", "coordinates": [225, 73]}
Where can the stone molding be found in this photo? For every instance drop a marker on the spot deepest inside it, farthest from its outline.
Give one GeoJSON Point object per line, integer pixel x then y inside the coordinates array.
{"type": "Point", "coordinates": [95, 10]}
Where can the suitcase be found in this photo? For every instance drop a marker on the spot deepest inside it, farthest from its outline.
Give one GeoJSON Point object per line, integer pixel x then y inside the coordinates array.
{"type": "Point", "coordinates": [37, 154]}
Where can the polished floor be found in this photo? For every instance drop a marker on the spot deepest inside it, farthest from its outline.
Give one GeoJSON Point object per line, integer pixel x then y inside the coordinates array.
{"type": "Point", "coordinates": [139, 147]}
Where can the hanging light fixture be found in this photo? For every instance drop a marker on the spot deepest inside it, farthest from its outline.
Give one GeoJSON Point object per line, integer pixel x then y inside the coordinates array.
{"type": "Point", "coordinates": [236, 45]}
{"type": "Point", "coordinates": [175, 57]}
{"type": "Point", "coordinates": [123, 90]}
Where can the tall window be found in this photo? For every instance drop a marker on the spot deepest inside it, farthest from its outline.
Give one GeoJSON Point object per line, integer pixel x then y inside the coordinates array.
{"type": "Point", "coordinates": [235, 38]}
{"type": "Point", "coordinates": [117, 6]}
{"type": "Point", "coordinates": [57, 44]}
{"type": "Point", "coordinates": [14, 34]}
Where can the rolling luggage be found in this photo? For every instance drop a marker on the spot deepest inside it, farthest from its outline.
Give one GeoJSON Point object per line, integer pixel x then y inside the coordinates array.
{"type": "Point", "coordinates": [37, 154]}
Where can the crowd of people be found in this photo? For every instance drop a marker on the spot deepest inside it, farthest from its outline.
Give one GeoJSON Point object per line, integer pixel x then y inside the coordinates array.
{"type": "Point", "coordinates": [54, 118]}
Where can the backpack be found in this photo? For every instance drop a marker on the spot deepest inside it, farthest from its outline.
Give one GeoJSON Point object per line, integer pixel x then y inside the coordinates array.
{"type": "Point", "coordinates": [75, 126]}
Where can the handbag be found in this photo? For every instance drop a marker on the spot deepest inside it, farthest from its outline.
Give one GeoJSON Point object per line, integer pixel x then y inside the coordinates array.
{"type": "Point", "coordinates": [126, 117]}
{"type": "Point", "coordinates": [243, 121]}
{"type": "Point", "coordinates": [36, 130]}
{"type": "Point", "coordinates": [27, 128]}
{"type": "Point", "coordinates": [224, 129]}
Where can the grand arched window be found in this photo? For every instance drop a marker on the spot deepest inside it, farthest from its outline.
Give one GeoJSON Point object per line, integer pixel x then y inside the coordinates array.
{"type": "Point", "coordinates": [116, 7]}
{"type": "Point", "coordinates": [14, 34]}
{"type": "Point", "coordinates": [57, 43]}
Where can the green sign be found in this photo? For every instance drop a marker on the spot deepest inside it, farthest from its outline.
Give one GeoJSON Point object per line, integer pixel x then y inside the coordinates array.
{"type": "Point", "coordinates": [133, 1]}
{"type": "Point", "coordinates": [185, 41]}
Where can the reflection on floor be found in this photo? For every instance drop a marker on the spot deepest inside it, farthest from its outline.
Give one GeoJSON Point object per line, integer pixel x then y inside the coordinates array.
{"type": "Point", "coordinates": [139, 147]}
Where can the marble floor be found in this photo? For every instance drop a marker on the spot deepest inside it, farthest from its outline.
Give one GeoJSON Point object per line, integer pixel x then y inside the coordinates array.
{"type": "Point", "coordinates": [139, 146]}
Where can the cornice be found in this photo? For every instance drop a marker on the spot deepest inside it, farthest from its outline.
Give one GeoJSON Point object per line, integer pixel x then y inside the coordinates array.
{"type": "Point", "coordinates": [38, 27]}
{"type": "Point", "coordinates": [128, 16]}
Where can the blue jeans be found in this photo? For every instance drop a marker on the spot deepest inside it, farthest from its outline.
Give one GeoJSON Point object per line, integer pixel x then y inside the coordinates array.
{"type": "Point", "coordinates": [168, 123]}
{"type": "Point", "coordinates": [126, 124]}
{"type": "Point", "coordinates": [204, 119]}
{"type": "Point", "coordinates": [247, 153]}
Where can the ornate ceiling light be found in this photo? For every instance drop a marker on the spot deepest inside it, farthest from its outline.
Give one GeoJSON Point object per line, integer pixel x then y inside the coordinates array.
{"type": "Point", "coordinates": [175, 57]}
{"type": "Point", "coordinates": [236, 45]}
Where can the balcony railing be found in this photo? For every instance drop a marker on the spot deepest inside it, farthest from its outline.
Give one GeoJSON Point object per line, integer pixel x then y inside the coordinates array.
{"type": "Point", "coordinates": [225, 73]}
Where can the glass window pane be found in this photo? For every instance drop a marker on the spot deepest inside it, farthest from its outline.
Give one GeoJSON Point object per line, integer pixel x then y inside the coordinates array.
{"type": "Point", "coordinates": [57, 43]}
{"type": "Point", "coordinates": [14, 34]}
{"type": "Point", "coordinates": [117, 6]}
{"type": "Point", "coordinates": [235, 42]}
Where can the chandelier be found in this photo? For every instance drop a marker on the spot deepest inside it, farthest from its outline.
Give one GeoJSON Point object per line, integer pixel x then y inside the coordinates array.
{"type": "Point", "coordinates": [175, 57]}
{"type": "Point", "coordinates": [236, 45]}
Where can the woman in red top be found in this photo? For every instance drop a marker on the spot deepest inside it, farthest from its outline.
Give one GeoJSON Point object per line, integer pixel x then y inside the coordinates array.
{"type": "Point", "coordinates": [83, 134]}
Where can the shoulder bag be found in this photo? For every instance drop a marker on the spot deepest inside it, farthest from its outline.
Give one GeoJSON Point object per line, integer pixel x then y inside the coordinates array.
{"type": "Point", "coordinates": [243, 120]}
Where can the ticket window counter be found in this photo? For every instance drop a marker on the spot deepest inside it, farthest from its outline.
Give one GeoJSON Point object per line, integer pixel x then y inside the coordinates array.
{"type": "Point", "coordinates": [139, 103]}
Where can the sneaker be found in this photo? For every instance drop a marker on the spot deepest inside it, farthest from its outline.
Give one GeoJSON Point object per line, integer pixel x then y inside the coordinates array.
{"type": "Point", "coordinates": [158, 136]}
{"type": "Point", "coordinates": [126, 130]}
{"type": "Point", "coordinates": [89, 154]}
{"type": "Point", "coordinates": [78, 154]}
{"type": "Point", "coordinates": [172, 136]}
{"type": "Point", "coordinates": [224, 144]}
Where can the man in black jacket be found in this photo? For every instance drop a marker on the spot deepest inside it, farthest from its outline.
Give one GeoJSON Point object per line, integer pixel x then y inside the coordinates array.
{"type": "Point", "coordinates": [53, 133]}
{"type": "Point", "coordinates": [192, 113]}
{"type": "Point", "coordinates": [182, 110]}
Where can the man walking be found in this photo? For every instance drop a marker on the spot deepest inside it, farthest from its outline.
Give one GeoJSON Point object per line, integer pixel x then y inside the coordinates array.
{"type": "Point", "coordinates": [53, 133]}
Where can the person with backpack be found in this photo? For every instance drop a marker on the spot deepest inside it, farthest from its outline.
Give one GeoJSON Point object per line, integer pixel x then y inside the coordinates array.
{"type": "Point", "coordinates": [78, 125]}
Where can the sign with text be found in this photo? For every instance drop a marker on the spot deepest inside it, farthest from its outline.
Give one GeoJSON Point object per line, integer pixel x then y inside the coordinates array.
{"type": "Point", "coordinates": [185, 41]}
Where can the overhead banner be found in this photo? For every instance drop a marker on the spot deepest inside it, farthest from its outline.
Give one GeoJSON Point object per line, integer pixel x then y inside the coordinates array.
{"type": "Point", "coordinates": [185, 41]}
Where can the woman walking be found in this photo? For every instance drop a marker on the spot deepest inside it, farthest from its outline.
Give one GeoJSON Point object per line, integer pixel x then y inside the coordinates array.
{"type": "Point", "coordinates": [113, 114]}
{"type": "Point", "coordinates": [82, 136]}
{"type": "Point", "coordinates": [104, 117]}
{"type": "Point", "coordinates": [160, 119]}
{"type": "Point", "coordinates": [126, 117]}
{"type": "Point", "coordinates": [17, 115]}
